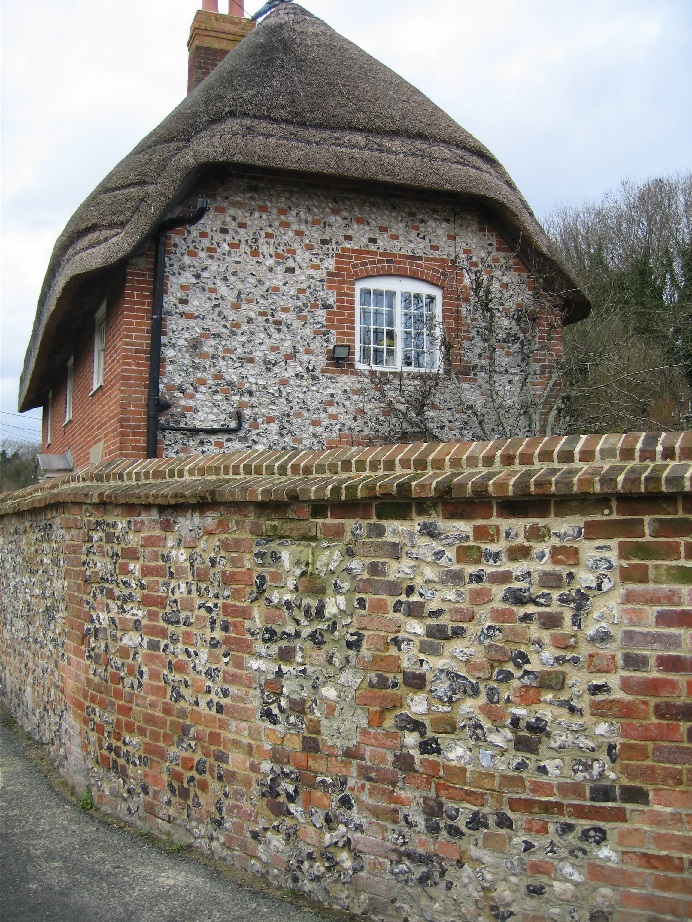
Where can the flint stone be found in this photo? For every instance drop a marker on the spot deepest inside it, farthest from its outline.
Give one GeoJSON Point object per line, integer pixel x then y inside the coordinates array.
{"type": "Point", "coordinates": [448, 686]}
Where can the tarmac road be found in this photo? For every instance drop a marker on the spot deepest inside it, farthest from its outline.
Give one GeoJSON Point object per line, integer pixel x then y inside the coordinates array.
{"type": "Point", "coordinates": [60, 864]}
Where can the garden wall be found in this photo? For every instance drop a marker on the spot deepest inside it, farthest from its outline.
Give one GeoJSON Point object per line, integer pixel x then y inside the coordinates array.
{"type": "Point", "coordinates": [428, 682]}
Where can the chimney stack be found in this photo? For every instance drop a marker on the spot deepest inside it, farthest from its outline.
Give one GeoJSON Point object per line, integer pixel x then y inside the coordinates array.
{"type": "Point", "coordinates": [212, 36]}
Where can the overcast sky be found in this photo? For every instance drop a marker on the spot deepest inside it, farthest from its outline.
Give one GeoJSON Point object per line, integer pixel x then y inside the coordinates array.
{"type": "Point", "coordinates": [572, 96]}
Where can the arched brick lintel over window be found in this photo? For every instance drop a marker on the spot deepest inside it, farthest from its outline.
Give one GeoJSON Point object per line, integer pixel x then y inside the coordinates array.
{"type": "Point", "coordinates": [441, 277]}
{"type": "Point", "coordinates": [352, 265]}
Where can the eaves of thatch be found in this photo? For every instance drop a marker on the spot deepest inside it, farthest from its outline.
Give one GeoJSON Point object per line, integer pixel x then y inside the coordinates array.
{"type": "Point", "coordinates": [295, 96]}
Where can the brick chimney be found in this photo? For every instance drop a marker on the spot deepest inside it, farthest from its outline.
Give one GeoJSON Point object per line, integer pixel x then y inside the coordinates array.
{"type": "Point", "coordinates": [212, 36]}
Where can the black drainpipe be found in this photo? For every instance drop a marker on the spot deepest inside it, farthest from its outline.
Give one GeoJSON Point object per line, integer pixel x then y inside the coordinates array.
{"type": "Point", "coordinates": [154, 402]}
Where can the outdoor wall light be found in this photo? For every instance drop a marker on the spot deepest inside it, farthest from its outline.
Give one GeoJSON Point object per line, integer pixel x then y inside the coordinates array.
{"type": "Point", "coordinates": [340, 353]}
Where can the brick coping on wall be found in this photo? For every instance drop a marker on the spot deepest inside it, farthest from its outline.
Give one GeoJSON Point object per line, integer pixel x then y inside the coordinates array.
{"type": "Point", "coordinates": [636, 462]}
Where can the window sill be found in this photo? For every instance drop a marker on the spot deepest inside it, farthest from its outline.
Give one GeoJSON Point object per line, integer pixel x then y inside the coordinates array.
{"type": "Point", "coordinates": [95, 389]}
{"type": "Point", "coordinates": [396, 371]}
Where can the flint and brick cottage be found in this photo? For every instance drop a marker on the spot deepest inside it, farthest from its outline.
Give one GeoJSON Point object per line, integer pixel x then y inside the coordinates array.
{"type": "Point", "coordinates": [440, 682]}
{"type": "Point", "coordinates": [302, 197]}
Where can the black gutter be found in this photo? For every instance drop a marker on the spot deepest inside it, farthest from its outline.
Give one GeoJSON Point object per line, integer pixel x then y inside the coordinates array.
{"type": "Point", "coordinates": [153, 398]}
{"type": "Point", "coordinates": [213, 430]}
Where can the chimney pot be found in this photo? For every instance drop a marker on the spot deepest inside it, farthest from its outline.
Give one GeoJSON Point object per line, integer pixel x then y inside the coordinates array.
{"type": "Point", "coordinates": [236, 8]}
{"type": "Point", "coordinates": [211, 5]}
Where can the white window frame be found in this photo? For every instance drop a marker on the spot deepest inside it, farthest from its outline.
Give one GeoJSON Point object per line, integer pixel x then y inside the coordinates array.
{"type": "Point", "coordinates": [398, 337]}
{"type": "Point", "coordinates": [69, 389]}
{"type": "Point", "coordinates": [49, 417]}
{"type": "Point", "coordinates": [99, 346]}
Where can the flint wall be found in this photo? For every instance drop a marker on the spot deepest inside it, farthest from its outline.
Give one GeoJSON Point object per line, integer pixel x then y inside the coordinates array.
{"type": "Point", "coordinates": [432, 681]}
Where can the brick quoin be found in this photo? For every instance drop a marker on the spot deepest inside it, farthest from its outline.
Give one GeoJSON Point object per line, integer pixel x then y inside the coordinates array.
{"type": "Point", "coordinates": [360, 633]}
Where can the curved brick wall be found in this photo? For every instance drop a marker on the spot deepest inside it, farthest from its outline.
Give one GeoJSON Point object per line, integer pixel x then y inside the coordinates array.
{"type": "Point", "coordinates": [435, 682]}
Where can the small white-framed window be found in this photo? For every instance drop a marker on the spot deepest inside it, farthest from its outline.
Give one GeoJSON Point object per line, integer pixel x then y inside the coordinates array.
{"type": "Point", "coordinates": [99, 345]}
{"type": "Point", "coordinates": [398, 323]}
{"type": "Point", "coordinates": [69, 389]}
{"type": "Point", "coordinates": [49, 416]}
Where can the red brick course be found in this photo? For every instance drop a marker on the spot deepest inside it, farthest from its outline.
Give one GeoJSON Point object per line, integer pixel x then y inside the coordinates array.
{"type": "Point", "coordinates": [115, 413]}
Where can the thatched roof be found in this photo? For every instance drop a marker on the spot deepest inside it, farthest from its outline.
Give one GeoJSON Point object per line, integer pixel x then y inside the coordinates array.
{"type": "Point", "coordinates": [294, 95]}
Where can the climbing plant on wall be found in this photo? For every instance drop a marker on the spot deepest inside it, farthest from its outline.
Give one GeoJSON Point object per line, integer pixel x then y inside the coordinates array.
{"type": "Point", "coordinates": [499, 362]}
